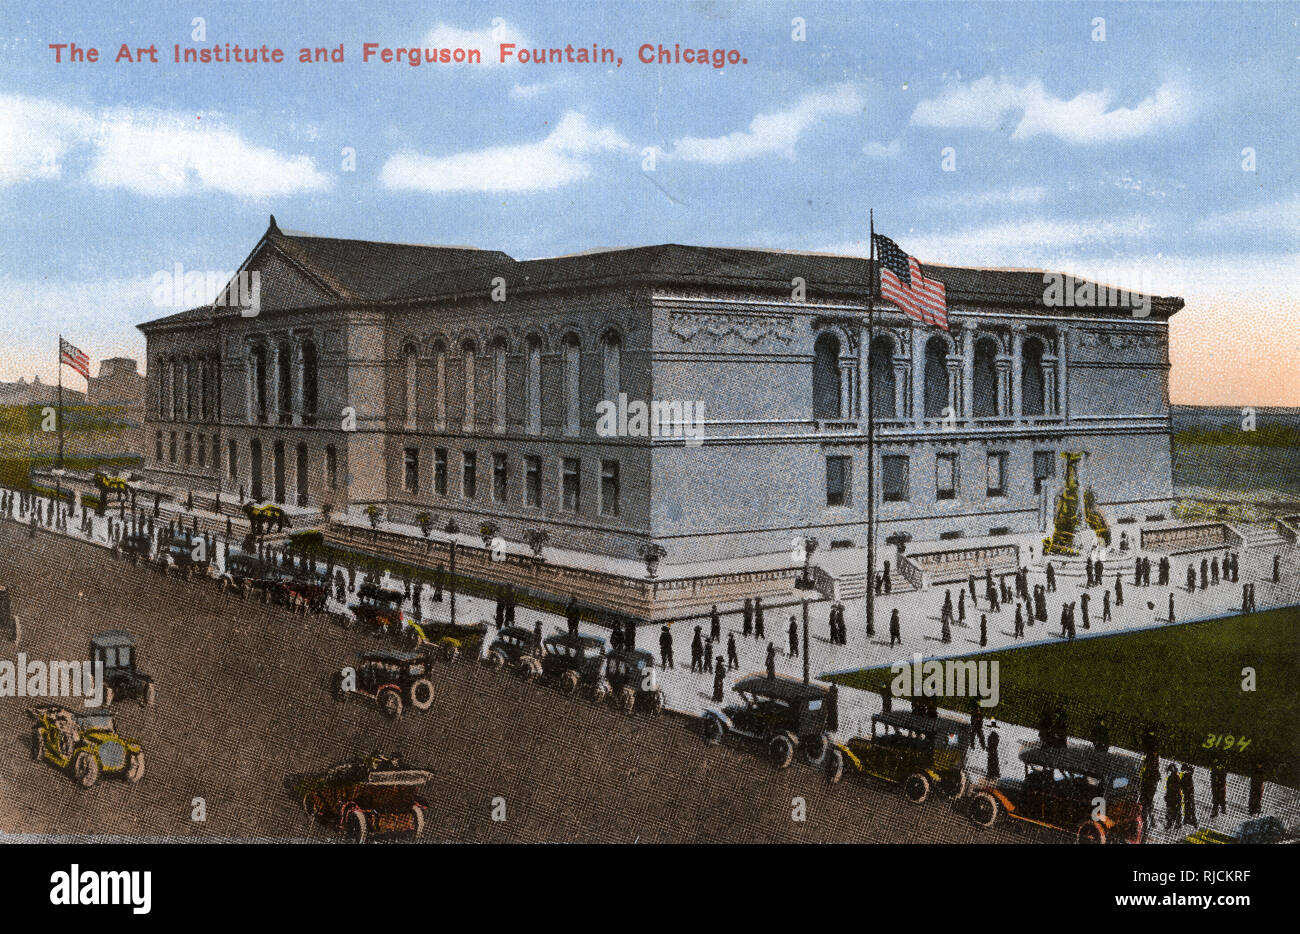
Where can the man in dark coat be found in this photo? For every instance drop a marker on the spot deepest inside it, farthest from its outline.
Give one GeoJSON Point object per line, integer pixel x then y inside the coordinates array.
{"type": "Point", "coordinates": [794, 638]}
{"type": "Point", "coordinates": [697, 651]}
{"type": "Point", "coordinates": [1105, 606]}
{"type": "Point", "coordinates": [971, 584]}
{"type": "Point", "coordinates": [977, 726]}
{"type": "Point", "coordinates": [888, 585]}
{"type": "Point", "coordinates": [715, 624]}
{"type": "Point", "coordinates": [1173, 798]}
{"type": "Point", "coordinates": [748, 617]}
{"type": "Point", "coordinates": [1019, 631]}
{"type": "Point", "coordinates": [1148, 784]}
{"type": "Point", "coordinates": [1119, 590]}
{"type": "Point", "coordinates": [759, 631]}
{"type": "Point", "coordinates": [708, 655]}
{"type": "Point", "coordinates": [1051, 578]}
{"type": "Point", "coordinates": [1171, 606]}
{"type": "Point", "coordinates": [1083, 608]}
{"type": "Point", "coordinates": [1256, 800]}
{"type": "Point", "coordinates": [1218, 790]}
{"type": "Point", "coordinates": [895, 631]}
{"type": "Point", "coordinates": [1188, 787]}
{"type": "Point", "coordinates": [1205, 574]}
{"type": "Point", "coordinates": [886, 699]}
{"type": "Point", "coordinates": [719, 675]}
{"type": "Point", "coordinates": [571, 615]}
{"type": "Point", "coordinates": [665, 648]}
{"type": "Point", "coordinates": [984, 627]}
{"type": "Point", "coordinates": [733, 660]}
{"type": "Point", "coordinates": [771, 660]}
{"type": "Point", "coordinates": [994, 768]}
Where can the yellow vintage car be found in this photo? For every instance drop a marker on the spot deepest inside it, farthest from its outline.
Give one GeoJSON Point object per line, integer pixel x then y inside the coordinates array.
{"type": "Point", "coordinates": [86, 744]}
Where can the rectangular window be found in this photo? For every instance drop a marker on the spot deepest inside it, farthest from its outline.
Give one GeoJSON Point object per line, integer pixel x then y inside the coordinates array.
{"type": "Point", "coordinates": [533, 481]}
{"type": "Point", "coordinates": [1044, 468]}
{"type": "Point", "coordinates": [469, 475]}
{"type": "Point", "coordinates": [440, 471]}
{"type": "Point", "coordinates": [216, 452]}
{"type": "Point", "coordinates": [893, 478]}
{"type": "Point", "coordinates": [997, 473]}
{"type": "Point", "coordinates": [331, 466]}
{"type": "Point", "coordinates": [203, 450]}
{"type": "Point", "coordinates": [570, 484]}
{"type": "Point", "coordinates": [411, 470]}
{"type": "Point", "coordinates": [189, 449]}
{"type": "Point", "coordinates": [945, 476]}
{"type": "Point", "coordinates": [232, 459]}
{"type": "Point", "coordinates": [157, 448]}
{"type": "Point", "coordinates": [839, 481]}
{"type": "Point", "coordinates": [171, 448]}
{"type": "Point", "coordinates": [499, 477]}
{"type": "Point", "coordinates": [609, 488]}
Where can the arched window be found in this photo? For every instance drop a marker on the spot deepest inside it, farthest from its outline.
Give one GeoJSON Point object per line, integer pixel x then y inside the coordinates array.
{"type": "Point", "coordinates": [611, 352]}
{"type": "Point", "coordinates": [467, 349]}
{"type": "Point", "coordinates": [882, 377]}
{"type": "Point", "coordinates": [258, 387]}
{"type": "Point", "coordinates": [936, 377]}
{"type": "Point", "coordinates": [1031, 377]}
{"type": "Point", "coordinates": [984, 392]}
{"type": "Point", "coordinates": [310, 382]}
{"type": "Point", "coordinates": [284, 383]}
{"type": "Point", "coordinates": [409, 358]}
{"type": "Point", "coordinates": [826, 377]}
{"type": "Point", "coordinates": [533, 389]}
{"type": "Point", "coordinates": [255, 469]}
{"type": "Point", "coordinates": [164, 388]}
{"type": "Point", "coordinates": [440, 384]}
{"type": "Point", "coordinates": [499, 384]}
{"type": "Point", "coordinates": [572, 374]}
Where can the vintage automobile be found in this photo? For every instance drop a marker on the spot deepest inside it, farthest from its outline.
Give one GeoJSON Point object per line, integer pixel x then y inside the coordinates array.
{"type": "Point", "coordinates": [366, 796]}
{"type": "Point", "coordinates": [569, 660]}
{"type": "Point", "coordinates": [393, 679]}
{"type": "Point", "coordinates": [123, 679]}
{"type": "Point", "coordinates": [135, 547]}
{"type": "Point", "coordinates": [248, 574]}
{"type": "Point", "coordinates": [303, 591]}
{"type": "Point", "coordinates": [177, 556]}
{"type": "Point", "coordinates": [448, 639]}
{"type": "Point", "coordinates": [918, 752]}
{"type": "Point", "coordinates": [87, 744]}
{"type": "Point", "coordinates": [379, 608]}
{"type": "Point", "coordinates": [1256, 830]}
{"type": "Point", "coordinates": [784, 714]}
{"type": "Point", "coordinates": [512, 648]}
{"type": "Point", "coordinates": [1077, 789]}
{"type": "Point", "coordinates": [630, 681]}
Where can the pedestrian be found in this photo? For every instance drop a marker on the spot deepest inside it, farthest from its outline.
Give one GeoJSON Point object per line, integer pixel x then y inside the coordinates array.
{"type": "Point", "coordinates": [1101, 734]}
{"type": "Point", "coordinates": [946, 613]}
{"type": "Point", "coordinates": [1188, 788]}
{"type": "Point", "coordinates": [945, 633]}
{"type": "Point", "coordinates": [733, 660]}
{"type": "Point", "coordinates": [537, 636]}
{"type": "Point", "coordinates": [1148, 784]}
{"type": "Point", "coordinates": [1019, 632]}
{"type": "Point", "coordinates": [984, 627]}
{"type": "Point", "coordinates": [1105, 606]}
{"type": "Point", "coordinates": [1173, 798]}
{"type": "Point", "coordinates": [895, 631]}
{"type": "Point", "coordinates": [697, 651]}
{"type": "Point", "coordinates": [747, 615]}
{"type": "Point", "coordinates": [708, 656]}
{"type": "Point", "coordinates": [888, 586]}
{"type": "Point", "coordinates": [961, 608]}
{"type": "Point", "coordinates": [1119, 590]}
{"type": "Point", "coordinates": [1218, 789]}
{"type": "Point", "coordinates": [971, 583]}
{"type": "Point", "coordinates": [1277, 569]}
{"type": "Point", "coordinates": [1083, 608]}
{"type": "Point", "coordinates": [1191, 578]}
{"type": "Point", "coordinates": [1214, 570]}
{"type": "Point", "coordinates": [715, 624]}
{"type": "Point", "coordinates": [1065, 620]}
{"type": "Point", "coordinates": [994, 605]}
{"type": "Point", "coordinates": [886, 699]}
{"type": "Point", "coordinates": [665, 647]}
{"type": "Point", "coordinates": [437, 583]}
{"type": "Point", "coordinates": [771, 660]}
{"type": "Point", "coordinates": [1171, 606]}
{"type": "Point", "coordinates": [1205, 574]}
{"type": "Point", "coordinates": [1256, 800]}
{"type": "Point", "coordinates": [1051, 578]}
{"type": "Point", "coordinates": [994, 766]}
{"type": "Point", "coordinates": [759, 632]}
{"type": "Point", "coordinates": [1164, 570]}
{"type": "Point", "coordinates": [794, 638]}
{"type": "Point", "coordinates": [719, 675]}
{"type": "Point", "coordinates": [1245, 599]}
{"type": "Point", "coordinates": [977, 726]}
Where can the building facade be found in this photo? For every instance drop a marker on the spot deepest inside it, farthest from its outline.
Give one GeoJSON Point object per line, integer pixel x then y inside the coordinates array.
{"type": "Point", "coordinates": [479, 388]}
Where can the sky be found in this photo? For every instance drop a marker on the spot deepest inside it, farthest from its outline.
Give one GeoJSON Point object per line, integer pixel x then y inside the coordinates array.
{"type": "Point", "coordinates": [1150, 145]}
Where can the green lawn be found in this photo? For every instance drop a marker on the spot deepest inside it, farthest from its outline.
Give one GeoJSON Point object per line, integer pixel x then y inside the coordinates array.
{"type": "Point", "coordinates": [1186, 680]}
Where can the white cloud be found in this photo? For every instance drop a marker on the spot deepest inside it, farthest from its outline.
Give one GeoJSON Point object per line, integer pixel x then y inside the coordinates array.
{"type": "Point", "coordinates": [145, 151]}
{"type": "Point", "coordinates": [771, 134]}
{"type": "Point", "coordinates": [560, 159]}
{"type": "Point", "coordinates": [486, 40]}
{"type": "Point", "coordinates": [988, 199]}
{"type": "Point", "coordinates": [1279, 217]}
{"type": "Point", "coordinates": [882, 151]}
{"type": "Point", "coordinates": [994, 103]}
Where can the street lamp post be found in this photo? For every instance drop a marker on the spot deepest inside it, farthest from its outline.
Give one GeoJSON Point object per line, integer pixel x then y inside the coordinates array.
{"type": "Point", "coordinates": [452, 530]}
{"type": "Point", "coordinates": [805, 584]}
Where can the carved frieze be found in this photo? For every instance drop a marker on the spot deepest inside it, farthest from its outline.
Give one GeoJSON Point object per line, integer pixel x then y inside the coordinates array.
{"type": "Point", "coordinates": [715, 328]}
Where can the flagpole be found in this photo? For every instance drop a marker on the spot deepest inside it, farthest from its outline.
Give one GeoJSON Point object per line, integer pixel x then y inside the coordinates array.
{"type": "Point", "coordinates": [871, 434]}
{"type": "Point", "coordinates": [60, 401]}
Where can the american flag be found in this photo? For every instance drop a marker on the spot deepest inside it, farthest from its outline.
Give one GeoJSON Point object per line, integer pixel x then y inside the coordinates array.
{"type": "Point", "coordinates": [74, 358]}
{"type": "Point", "coordinates": [901, 282]}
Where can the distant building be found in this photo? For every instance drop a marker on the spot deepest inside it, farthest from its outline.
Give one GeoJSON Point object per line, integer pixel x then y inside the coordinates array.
{"type": "Point", "coordinates": [119, 382]}
{"type": "Point", "coordinates": [25, 393]}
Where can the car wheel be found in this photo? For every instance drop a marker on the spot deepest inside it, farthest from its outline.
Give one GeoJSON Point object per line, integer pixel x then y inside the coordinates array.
{"type": "Point", "coordinates": [38, 745]}
{"type": "Point", "coordinates": [450, 653]}
{"type": "Point", "coordinates": [814, 748]}
{"type": "Point", "coordinates": [391, 701]}
{"type": "Point", "coordinates": [417, 820]}
{"type": "Point", "coordinates": [355, 826]}
{"type": "Point", "coordinates": [135, 768]}
{"type": "Point", "coordinates": [984, 809]}
{"type": "Point", "coordinates": [309, 804]}
{"type": "Point", "coordinates": [952, 785]}
{"type": "Point", "coordinates": [600, 692]}
{"type": "Point", "coordinates": [147, 698]}
{"type": "Point", "coordinates": [626, 699]}
{"type": "Point", "coordinates": [569, 682]}
{"type": "Point", "coordinates": [1091, 832]}
{"type": "Point", "coordinates": [421, 694]}
{"type": "Point", "coordinates": [496, 660]}
{"type": "Point", "coordinates": [916, 788]}
{"type": "Point", "coordinates": [530, 669]}
{"type": "Point", "coordinates": [85, 768]}
{"type": "Point", "coordinates": [834, 766]}
{"type": "Point", "coordinates": [781, 748]}
{"type": "Point", "coordinates": [108, 696]}
{"type": "Point", "coordinates": [713, 731]}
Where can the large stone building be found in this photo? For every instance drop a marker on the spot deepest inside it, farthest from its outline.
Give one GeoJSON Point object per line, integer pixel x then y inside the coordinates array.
{"type": "Point", "coordinates": [469, 384]}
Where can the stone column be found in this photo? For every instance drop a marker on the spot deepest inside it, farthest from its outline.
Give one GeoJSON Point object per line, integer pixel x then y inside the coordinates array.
{"type": "Point", "coordinates": [918, 374]}
{"type": "Point", "coordinates": [1003, 365]}
{"type": "Point", "coordinates": [956, 391]}
{"type": "Point", "coordinates": [968, 372]}
{"type": "Point", "coordinates": [185, 388]}
{"type": "Point", "coordinates": [295, 348]}
{"type": "Point", "coordinates": [901, 370]}
{"type": "Point", "coordinates": [251, 395]}
{"type": "Point", "coordinates": [1017, 370]}
{"type": "Point", "coordinates": [1049, 385]}
{"type": "Point", "coordinates": [1062, 407]}
{"type": "Point", "coordinates": [273, 360]}
{"type": "Point", "coordinates": [863, 395]}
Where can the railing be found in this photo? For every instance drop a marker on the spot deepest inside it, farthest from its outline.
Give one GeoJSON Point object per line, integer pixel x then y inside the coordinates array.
{"type": "Point", "coordinates": [1202, 536]}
